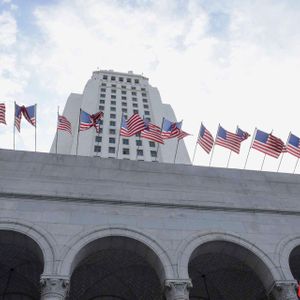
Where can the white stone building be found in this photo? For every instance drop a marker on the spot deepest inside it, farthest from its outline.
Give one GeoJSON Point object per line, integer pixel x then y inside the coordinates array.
{"type": "Point", "coordinates": [115, 93]}
{"type": "Point", "coordinates": [83, 228]}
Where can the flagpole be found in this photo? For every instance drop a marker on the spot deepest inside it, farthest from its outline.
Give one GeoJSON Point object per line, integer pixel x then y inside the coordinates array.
{"type": "Point", "coordinates": [176, 150]}
{"type": "Point", "coordinates": [283, 153]}
{"type": "Point", "coordinates": [263, 162]}
{"type": "Point", "coordinates": [195, 147]}
{"type": "Point", "coordinates": [250, 147]}
{"type": "Point", "coordinates": [231, 150]}
{"type": "Point", "coordinates": [228, 159]}
{"type": "Point", "coordinates": [14, 130]}
{"type": "Point", "coordinates": [35, 128]}
{"type": "Point", "coordinates": [296, 166]}
{"type": "Point", "coordinates": [78, 132]}
{"type": "Point", "coordinates": [162, 122]}
{"type": "Point", "coordinates": [117, 154]}
{"type": "Point", "coordinates": [57, 129]}
{"type": "Point", "coordinates": [212, 152]}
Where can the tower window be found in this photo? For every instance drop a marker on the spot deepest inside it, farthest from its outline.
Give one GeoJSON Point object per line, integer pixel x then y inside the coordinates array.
{"type": "Point", "coordinates": [151, 144]}
{"type": "Point", "coordinates": [113, 78]}
{"type": "Point", "coordinates": [125, 151]}
{"type": "Point", "coordinates": [125, 141]}
{"type": "Point", "coordinates": [112, 123]}
{"type": "Point", "coordinates": [112, 131]}
{"type": "Point", "coordinates": [112, 116]}
{"type": "Point", "coordinates": [121, 79]}
{"type": "Point", "coordinates": [139, 142]}
{"type": "Point", "coordinates": [139, 152]}
{"type": "Point", "coordinates": [97, 148]}
{"type": "Point", "coordinates": [136, 81]}
{"type": "Point", "coordinates": [153, 153]}
{"type": "Point", "coordinates": [111, 149]}
{"type": "Point", "coordinates": [128, 80]}
{"type": "Point", "coordinates": [112, 140]}
{"type": "Point", "coordinates": [98, 139]}
{"type": "Point", "coordinates": [112, 108]}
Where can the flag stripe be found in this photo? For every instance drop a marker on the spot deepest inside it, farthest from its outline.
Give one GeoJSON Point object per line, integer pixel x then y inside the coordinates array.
{"type": "Point", "coordinates": [2, 113]}
{"type": "Point", "coordinates": [205, 139]}
{"type": "Point", "coordinates": [64, 124]}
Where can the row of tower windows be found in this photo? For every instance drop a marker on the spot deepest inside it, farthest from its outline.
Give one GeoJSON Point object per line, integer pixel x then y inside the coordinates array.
{"type": "Point", "coordinates": [125, 151]}
{"type": "Point", "coordinates": [123, 87]}
{"type": "Point", "coordinates": [121, 79]}
{"type": "Point", "coordinates": [112, 140]}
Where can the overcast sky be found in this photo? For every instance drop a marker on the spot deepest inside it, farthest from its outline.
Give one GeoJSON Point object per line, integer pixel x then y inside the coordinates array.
{"type": "Point", "coordinates": [234, 62]}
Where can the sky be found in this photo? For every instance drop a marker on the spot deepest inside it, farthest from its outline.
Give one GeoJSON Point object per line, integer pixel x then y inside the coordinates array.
{"type": "Point", "coordinates": [228, 62]}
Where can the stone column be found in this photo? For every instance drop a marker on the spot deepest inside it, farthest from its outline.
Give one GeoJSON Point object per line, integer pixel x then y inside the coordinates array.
{"type": "Point", "coordinates": [178, 289]}
{"type": "Point", "coordinates": [54, 288]}
{"type": "Point", "coordinates": [285, 290]}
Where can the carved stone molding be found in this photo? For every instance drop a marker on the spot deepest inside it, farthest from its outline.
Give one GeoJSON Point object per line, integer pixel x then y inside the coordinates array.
{"type": "Point", "coordinates": [285, 290]}
{"type": "Point", "coordinates": [54, 288]}
{"type": "Point", "coordinates": [178, 289]}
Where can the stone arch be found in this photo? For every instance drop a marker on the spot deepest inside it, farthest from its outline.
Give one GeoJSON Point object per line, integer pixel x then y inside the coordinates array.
{"type": "Point", "coordinates": [43, 239]}
{"type": "Point", "coordinates": [68, 261]}
{"type": "Point", "coordinates": [284, 249]}
{"type": "Point", "coordinates": [190, 245]}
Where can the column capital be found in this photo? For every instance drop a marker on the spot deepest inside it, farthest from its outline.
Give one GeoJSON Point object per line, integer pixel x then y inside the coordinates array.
{"type": "Point", "coordinates": [178, 289]}
{"type": "Point", "coordinates": [285, 290]}
{"type": "Point", "coordinates": [54, 287]}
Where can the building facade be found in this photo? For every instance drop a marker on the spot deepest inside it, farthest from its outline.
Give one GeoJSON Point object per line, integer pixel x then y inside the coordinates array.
{"type": "Point", "coordinates": [115, 94]}
{"type": "Point", "coordinates": [104, 229]}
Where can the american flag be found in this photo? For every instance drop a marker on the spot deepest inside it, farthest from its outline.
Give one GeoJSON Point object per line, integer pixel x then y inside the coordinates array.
{"type": "Point", "coordinates": [152, 132]}
{"type": "Point", "coordinates": [135, 124]}
{"type": "Point", "coordinates": [182, 134]}
{"type": "Point", "coordinates": [64, 124]}
{"type": "Point", "coordinates": [228, 140]}
{"type": "Point", "coordinates": [170, 129]}
{"type": "Point", "coordinates": [87, 121]}
{"type": "Point", "coordinates": [28, 112]}
{"type": "Point", "coordinates": [268, 144]}
{"type": "Point", "coordinates": [242, 134]}
{"type": "Point", "coordinates": [293, 145]}
{"type": "Point", "coordinates": [2, 113]}
{"type": "Point", "coordinates": [205, 139]}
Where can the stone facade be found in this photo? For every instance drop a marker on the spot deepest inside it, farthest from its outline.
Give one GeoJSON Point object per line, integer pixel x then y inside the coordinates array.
{"type": "Point", "coordinates": [72, 208]}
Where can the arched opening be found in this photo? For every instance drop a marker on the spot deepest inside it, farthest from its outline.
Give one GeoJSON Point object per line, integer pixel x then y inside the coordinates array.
{"type": "Point", "coordinates": [21, 265]}
{"type": "Point", "coordinates": [222, 270]}
{"type": "Point", "coordinates": [294, 261]}
{"type": "Point", "coordinates": [116, 268]}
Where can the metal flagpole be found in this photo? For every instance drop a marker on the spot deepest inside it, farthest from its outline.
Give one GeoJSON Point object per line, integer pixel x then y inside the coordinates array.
{"type": "Point", "coordinates": [14, 130]}
{"type": "Point", "coordinates": [212, 151]}
{"type": "Point", "coordinates": [98, 133]}
{"type": "Point", "coordinates": [250, 147]}
{"type": "Point", "coordinates": [263, 162]}
{"type": "Point", "coordinates": [57, 129]}
{"type": "Point", "coordinates": [230, 151]}
{"type": "Point", "coordinates": [78, 132]}
{"type": "Point", "coordinates": [138, 146]}
{"type": "Point", "coordinates": [296, 166]}
{"type": "Point", "coordinates": [117, 154]}
{"type": "Point", "coordinates": [228, 159]}
{"type": "Point", "coordinates": [35, 128]}
{"type": "Point", "coordinates": [195, 148]}
{"type": "Point", "coordinates": [176, 150]}
{"type": "Point", "coordinates": [283, 153]}
{"type": "Point", "coordinates": [162, 122]}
